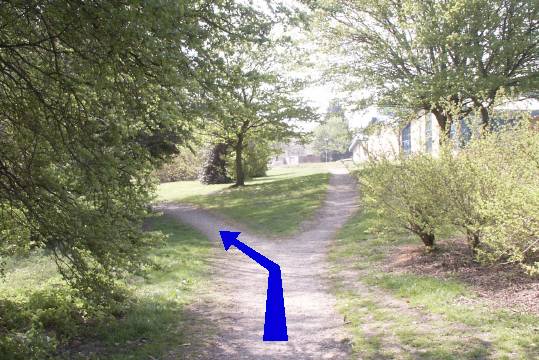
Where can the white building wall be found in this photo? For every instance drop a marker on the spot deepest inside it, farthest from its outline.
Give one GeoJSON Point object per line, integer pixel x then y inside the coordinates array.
{"type": "Point", "coordinates": [387, 141]}
{"type": "Point", "coordinates": [419, 134]}
{"type": "Point", "coordinates": [384, 142]}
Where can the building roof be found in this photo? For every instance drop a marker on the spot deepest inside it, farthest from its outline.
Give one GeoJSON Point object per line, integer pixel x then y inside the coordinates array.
{"type": "Point", "coordinates": [361, 119]}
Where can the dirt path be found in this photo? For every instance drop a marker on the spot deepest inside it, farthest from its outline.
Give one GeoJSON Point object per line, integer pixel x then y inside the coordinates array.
{"type": "Point", "coordinates": [227, 320]}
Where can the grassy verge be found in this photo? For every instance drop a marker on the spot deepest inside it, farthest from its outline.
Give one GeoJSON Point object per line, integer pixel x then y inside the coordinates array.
{"type": "Point", "coordinates": [431, 319]}
{"type": "Point", "coordinates": [274, 205]}
{"type": "Point", "coordinates": [40, 313]}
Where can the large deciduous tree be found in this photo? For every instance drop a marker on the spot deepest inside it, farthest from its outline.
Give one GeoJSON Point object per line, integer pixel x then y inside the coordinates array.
{"type": "Point", "coordinates": [447, 57]}
{"type": "Point", "coordinates": [333, 135]}
{"type": "Point", "coordinates": [93, 95]}
{"type": "Point", "coordinates": [253, 101]}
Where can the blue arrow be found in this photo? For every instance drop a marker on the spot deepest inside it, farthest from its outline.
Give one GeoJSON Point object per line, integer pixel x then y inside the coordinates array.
{"type": "Point", "coordinates": [275, 321]}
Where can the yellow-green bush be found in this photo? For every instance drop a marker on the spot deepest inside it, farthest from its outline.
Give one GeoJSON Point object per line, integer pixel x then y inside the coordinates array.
{"type": "Point", "coordinates": [464, 182]}
{"type": "Point", "coordinates": [406, 193]}
{"type": "Point", "coordinates": [489, 189]}
{"type": "Point", "coordinates": [510, 159]}
{"type": "Point", "coordinates": [184, 166]}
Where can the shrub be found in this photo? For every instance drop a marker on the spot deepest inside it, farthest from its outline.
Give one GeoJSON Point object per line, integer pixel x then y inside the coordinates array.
{"type": "Point", "coordinates": [34, 328]}
{"type": "Point", "coordinates": [464, 182]}
{"type": "Point", "coordinates": [406, 194]}
{"type": "Point", "coordinates": [510, 158]}
{"type": "Point", "coordinates": [489, 189]}
{"type": "Point", "coordinates": [214, 168]}
{"type": "Point", "coordinates": [256, 156]}
{"type": "Point", "coordinates": [184, 166]}
{"type": "Point", "coordinates": [36, 325]}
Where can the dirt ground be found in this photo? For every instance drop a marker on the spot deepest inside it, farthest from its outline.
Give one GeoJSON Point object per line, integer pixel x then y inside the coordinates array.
{"type": "Point", "coordinates": [502, 286]}
{"type": "Point", "coordinates": [226, 321]}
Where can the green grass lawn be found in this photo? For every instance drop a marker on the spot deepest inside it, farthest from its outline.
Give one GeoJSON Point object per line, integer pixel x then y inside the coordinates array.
{"type": "Point", "coordinates": [147, 326]}
{"type": "Point", "coordinates": [453, 309]}
{"type": "Point", "coordinates": [38, 312]}
{"type": "Point", "coordinates": [274, 205]}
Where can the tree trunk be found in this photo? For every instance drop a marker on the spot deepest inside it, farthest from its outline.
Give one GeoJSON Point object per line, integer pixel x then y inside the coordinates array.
{"type": "Point", "coordinates": [428, 240]}
{"type": "Point", "coordinates": [240, 174]}
{"type": "Point", "coordinates": [485, 119]}
{"type": "Point", "coordinates": [444, 122]}
{"type": "Point", "coordinates": [473, 240]}
{"type": "Point", "coordinates": [427, 237]}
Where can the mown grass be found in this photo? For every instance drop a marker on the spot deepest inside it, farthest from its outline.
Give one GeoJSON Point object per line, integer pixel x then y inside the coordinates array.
{"type": "Point", "coordinates": [146, 326]}
{"type": "Point", "coordinates": [358, 246]}
{"type": "Point", "coordinates": [41, 318]}
{"type": "Point", "coordinates": [274, 205]}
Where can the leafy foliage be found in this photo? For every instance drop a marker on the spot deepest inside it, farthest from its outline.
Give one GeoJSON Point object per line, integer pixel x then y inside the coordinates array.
{"type": "Point", "coordinates": [35, 328]}
{"type": "Point", "coordinates": [214, 170]}
{"type": "Point", "coordinates": [406, 194]}
{"type": "Point", "coordinates": [447, 57]}
{"type": "Point", "coordinates": [185, 165]}
{"type": "Point", "coordinates": [254, 101]}
{"type": "Point", "coordinates": [93, 96]}
{"type": "Point", "coordinates": [510, 159]}
{"type": "Point", "coordinates": [489, 190]}
{"type": "Point", "coordinates": [256, 157]}
{"type": "Point", "coordinates": [333, 135]}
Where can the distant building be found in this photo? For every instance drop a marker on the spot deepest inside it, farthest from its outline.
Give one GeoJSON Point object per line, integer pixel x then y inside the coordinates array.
{"type": "Point", "coordinates": [377, 133]}
{"type": "Point", "coordinates": [295, 154]}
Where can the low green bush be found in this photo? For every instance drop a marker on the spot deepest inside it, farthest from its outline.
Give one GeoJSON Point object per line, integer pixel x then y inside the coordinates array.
{"type": "Point", "coordinates": [34, 328]}
{"type": "Point", "coordinates": [36, 325]}
{"type": "Point", "coordinates": [406, 194]}
{"type": "Point", "coordinates": [184, 166]}
{"type": "Point", "coordinates": [489, 189]}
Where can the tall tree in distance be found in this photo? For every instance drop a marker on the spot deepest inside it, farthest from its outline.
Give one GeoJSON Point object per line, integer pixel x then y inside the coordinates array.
{"type": "Point", "coordinates": [333, 136]}
{"type": "Point", "coordinates": [254, 100]}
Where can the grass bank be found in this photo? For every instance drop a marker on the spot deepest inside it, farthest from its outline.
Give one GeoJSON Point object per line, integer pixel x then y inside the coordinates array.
{"type": "Point", "coordinates": [41, 319]}
{"type": "Point", "coordinates": [274, 205]}
{"type": "Point", "coordinates": [403, 315]}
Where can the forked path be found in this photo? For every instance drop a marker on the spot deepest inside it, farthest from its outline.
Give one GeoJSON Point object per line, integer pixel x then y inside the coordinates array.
{"type": "Point", "coordinates": [227, 320]}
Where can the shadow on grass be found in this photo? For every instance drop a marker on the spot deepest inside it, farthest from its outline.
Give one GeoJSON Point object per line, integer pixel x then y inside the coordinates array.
{"type": "Point", "coordinates": [472, 328]}
{"type": "Point", "coordinates": [151, 328]}
{"type": "Point", "coordinates": [52, 323]}
{"type": "Point", "coordinates": [154, 324]}
{"type": "Point", "coordinates": [275, 208]}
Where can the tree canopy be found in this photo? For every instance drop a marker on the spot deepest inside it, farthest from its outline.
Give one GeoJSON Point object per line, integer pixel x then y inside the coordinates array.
{"type": "Point", "coordinates": [254, 100]}
{"type": "Point", "coordinates": [333, 135]}
{"type": "Point", "coordinates": [434, 55]}
{"type": "Point", "coordinates": [94, 95]}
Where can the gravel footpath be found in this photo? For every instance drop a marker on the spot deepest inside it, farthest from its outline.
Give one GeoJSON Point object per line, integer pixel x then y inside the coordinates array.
{"type": "Point", "coordinates": [227, 319]}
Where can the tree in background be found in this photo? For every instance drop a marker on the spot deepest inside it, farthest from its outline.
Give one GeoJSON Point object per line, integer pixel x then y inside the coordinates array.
{"type": "Point", "coordinates": [256, 157]}
{"type": "Point", "coordinates": [93, 96]}
{"type": "Point", "coordinates": [445, 57]}
{"type": "Point", "coordinates": [253, 101]}
{"type": "Point", "coordinates": [333, 136]}
{"type": "Point", "coordinates": [185, 165]}
{"type": "Point", "coordinates": [214, 169]}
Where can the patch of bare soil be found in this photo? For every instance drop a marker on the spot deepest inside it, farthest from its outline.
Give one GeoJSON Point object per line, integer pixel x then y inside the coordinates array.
{"type": "Point", "coordinates": [502, 286]}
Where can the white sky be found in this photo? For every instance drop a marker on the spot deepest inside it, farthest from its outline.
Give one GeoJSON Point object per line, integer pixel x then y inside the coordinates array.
{"type": "Point", "coordinates": [318, 95]}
